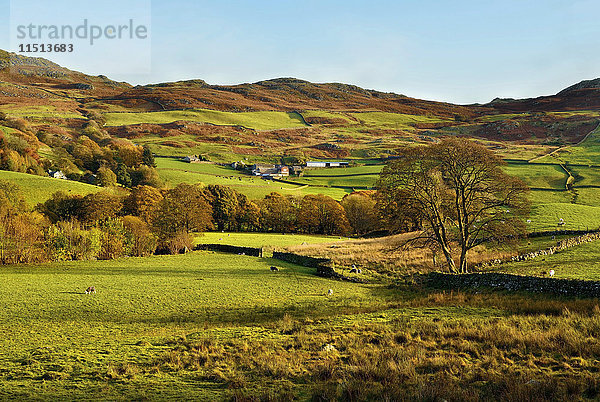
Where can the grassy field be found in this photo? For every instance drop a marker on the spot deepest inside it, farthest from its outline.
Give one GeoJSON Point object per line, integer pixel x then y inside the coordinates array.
{"type": "Point", "coordinates": [581, 262]}
{"type": "Point", "coordinates": [211, 326]}
{"type": "Point", "coordinates": [545, 217]}
{"type": "Point", "coordinates": [268, 240]}
{"type": "Point", "coordinates": [38, 112]}
{"type": "Point", "coordinates": [38, 189]}
{"type": "Point", "coordinates": [393, 120]}
{"type": "Point", "coordinates": [539, 176]}
{"type": "Point", "coordinates": [59, 341]}
{"type": "Point", "coordinates": [255, 120]}
{"type": "Point", "coordinates": [174, 172]}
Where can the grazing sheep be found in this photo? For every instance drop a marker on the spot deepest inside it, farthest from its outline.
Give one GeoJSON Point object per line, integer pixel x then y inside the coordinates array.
{"type": "Point", "coordinates": [274, 268]}
{"type": "Point", "coordinates": [91, 289]}
{"type": "Point", "coordinates": [330, 292]}
{"type": "Point", "coordinates": [551, 273]}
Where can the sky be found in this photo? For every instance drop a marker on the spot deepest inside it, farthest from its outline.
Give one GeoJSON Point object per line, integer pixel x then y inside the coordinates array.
{"type": "Point", "coordinates": [454, 51]}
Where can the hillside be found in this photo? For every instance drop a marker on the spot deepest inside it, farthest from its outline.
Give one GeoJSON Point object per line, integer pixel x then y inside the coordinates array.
{"type": "Point", "coordinates": [584, 95]}
{"type": "Point", "coordinates": [56, 118]}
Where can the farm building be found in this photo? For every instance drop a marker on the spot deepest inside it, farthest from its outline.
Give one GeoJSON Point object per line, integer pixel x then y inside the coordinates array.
{"type": "Point", "coordinates": [312, 164]}
{"type": "Point", "coordinates": [268, 170]}
{"type": "Point", "coordinates": [193, 159]}
{"type": "Point", "coordinates": [57, 174]}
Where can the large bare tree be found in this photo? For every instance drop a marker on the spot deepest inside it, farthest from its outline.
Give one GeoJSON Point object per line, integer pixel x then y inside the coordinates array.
{"type": "Point", "coordinates": [456, 193]}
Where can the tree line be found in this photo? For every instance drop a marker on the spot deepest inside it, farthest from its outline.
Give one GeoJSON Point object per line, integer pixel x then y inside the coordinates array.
{"type": "Point", "coordinates": [106, 225]}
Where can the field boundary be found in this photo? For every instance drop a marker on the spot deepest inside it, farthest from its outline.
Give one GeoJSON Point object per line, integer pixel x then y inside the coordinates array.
{"type": "Point", "coordinates": [513, 283]}
{"type": "Point", "coordinates": [227, 248]}
{"type": "Point", "coordinates": [324, 266]}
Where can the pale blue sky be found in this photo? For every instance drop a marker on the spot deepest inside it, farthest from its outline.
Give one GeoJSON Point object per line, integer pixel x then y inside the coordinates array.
{"type": "Point", "coordinates": [456, 51]}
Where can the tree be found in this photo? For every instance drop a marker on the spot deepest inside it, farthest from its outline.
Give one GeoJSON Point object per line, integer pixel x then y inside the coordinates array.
{"type": "Point", "coordinates": [97, 207]}
{"type": "Point", "coordinates": [139, 238]}
{"type": "Point", "coordinates": [183, 209]}
{"type": "Point", "coordinates": [457, 190]}
{"type": "Point", "coordinates": [123, 176]}
{"type": "Point", "coordinates": [278, 213]}
{"type": "Point", "coordinates": [321, 214]}
{"type": "Point", "coordinates": [361, 212]}
{"type": "Point", "coordinates": [143, 201]}
{"type": "Point", "coordinates": [106, 177]}
{"type": "Point", "coordinates": [148, 157]}
{"type": "Point", "coordinates": [62, 206]}
{"type": "Point", "coordinates": [225, 205]}
{"type": "Point", "coordinates": [145, 176]}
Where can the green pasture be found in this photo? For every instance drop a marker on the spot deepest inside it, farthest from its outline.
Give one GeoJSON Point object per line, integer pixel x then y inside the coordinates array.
{"type": "Point", "coordinates": [580, 262]}
{"type": "Point", "coordinates": [174, 172]}
{"type": "Point", "coordinates": [545, 217]}
{"type": "Point", "coordinates": [38, 112]}
{"type": "Point", "coordinates": [351, 181]}
{"type": "Point", "coordinates": [256, 120]}
{"type": "Point", "coordinates": [267, 240]}
{"type": "Point", "coordinates": [540, 176]}
{"type": "Point", "coordinates": [38, 189]}
{"type": "Point", "coordinates": [60, 343]}
{"type": "Point", "coordinates": [328, 115]}
{"type": "Point", "coordinates": [394, 120]}
{"type": "Point", "coordinates": [326, 172]}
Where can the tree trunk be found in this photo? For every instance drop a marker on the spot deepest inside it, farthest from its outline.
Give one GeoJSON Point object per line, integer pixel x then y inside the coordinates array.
{"type": "Point", "coordinates": [463, 261]}
{"type": "Point", "coordinates": [449, 260]}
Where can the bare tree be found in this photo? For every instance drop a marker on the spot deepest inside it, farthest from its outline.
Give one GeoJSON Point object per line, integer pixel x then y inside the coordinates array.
{"type": "Point", "coordinates": [456, 193]}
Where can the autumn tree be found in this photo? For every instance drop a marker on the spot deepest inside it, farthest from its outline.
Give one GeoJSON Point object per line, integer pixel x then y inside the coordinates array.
{"type": "Point", "coordinates": [140, 239]}
{"type": "Point", "coordinates": [62, 206]}
{"type": "Point", "coordinates": [278, 213]}
{"type": "Point", "coordinates": [106, 177]}
{"type": "Point", "coordinates": [460, 194]}
{"type": "Point", "coordinates": [97, 207]}
{"type": "Point", "coordinates": [148, 157]}
{"type": "Point", "coordinates": [143, 201]}
{"type": "Point", "coordinates": [231, 209]}
{"type": "Point", "coordinates": [361, 211]}
{"type": "Point", "coordinates": [183, 209]}
{"type": "Point", "coordinates": [321, 214]}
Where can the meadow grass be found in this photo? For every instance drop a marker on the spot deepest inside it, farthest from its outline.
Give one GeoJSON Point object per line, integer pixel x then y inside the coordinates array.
{"type": "Point", "coordinates": [215, 326]}
{"type": "Point", "coordinates": [267, 240]}
{"type": "Point", "coordinates": [328, 172]}
{"type": "Point", "coordinates": [174, 172]}
{"type": "Point", "coordinates": [257, 120]}
{"type": "Point", "coordinates": [581, 262]}
{"type": "Point", "coordinates": [540, 176]}
{"type": "Point", "coordinates": [38, 111]}
{"type": "Point", "coordinates": [350, 181]}
{"type": "Point", "coordinates": [394, 120]}
{"type": "Point", "coordinates": [545, 217]}
{"type": "Point", "coordinates": [37, 189]}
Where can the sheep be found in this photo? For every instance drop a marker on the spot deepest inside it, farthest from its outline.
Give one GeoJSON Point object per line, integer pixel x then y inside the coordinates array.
{"type": "Point", "coordinates": [551, 273]}
{"type": "Point", "coordinates": [274, 268]}
{"type": "Point", "coordinates": [330, 292]}
{"type": "Point", "coordinates": [91, 289]}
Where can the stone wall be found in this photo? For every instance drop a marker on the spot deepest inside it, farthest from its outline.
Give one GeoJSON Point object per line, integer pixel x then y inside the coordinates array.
{"type": "Point", "coordinates": [566, 287]}
{"type": "Point", "coordinates": [324, 266]}
{"type": "Point", "coordinates": [226, 248]}
{"type": "Point", "coordinates": [560, 246]}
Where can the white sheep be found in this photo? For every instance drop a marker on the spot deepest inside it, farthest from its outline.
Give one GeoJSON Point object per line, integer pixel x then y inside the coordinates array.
{"type": "Point", "coordinates": [330, 292]}
{"type": "Point", "coordinates": [551, 273]}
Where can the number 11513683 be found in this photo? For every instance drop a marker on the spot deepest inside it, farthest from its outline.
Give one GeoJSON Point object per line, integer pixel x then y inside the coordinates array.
{"type": "Point", "coordinates": [45, 48]}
